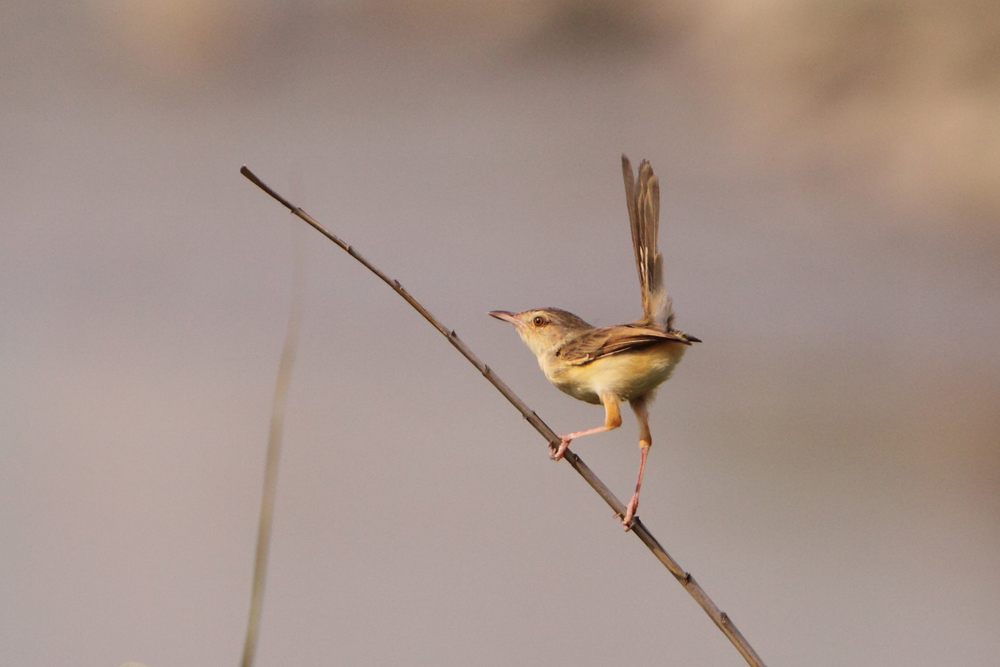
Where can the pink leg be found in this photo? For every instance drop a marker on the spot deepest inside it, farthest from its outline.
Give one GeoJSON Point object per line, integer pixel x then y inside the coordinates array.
{"type": "Point", "coordinates": [645, 441]}
{"type": "Point", "coordinates": [556, 453]}
{"type": "Point", "coordinates": [612, 419]}
{"type": "Point", "coordinates": [633, 505]}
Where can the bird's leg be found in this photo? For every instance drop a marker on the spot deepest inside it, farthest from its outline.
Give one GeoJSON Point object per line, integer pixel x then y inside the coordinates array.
{"type": "Point", "coordinates": [612, 419]}
{"type": "Point", "coordinates": [645, 441]}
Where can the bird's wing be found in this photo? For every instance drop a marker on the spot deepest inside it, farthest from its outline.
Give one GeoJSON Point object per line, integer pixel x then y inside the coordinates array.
{"type": "Point", "coordinates": [643, 198]}
{"type": "Point", "coordinates": [606, 341]}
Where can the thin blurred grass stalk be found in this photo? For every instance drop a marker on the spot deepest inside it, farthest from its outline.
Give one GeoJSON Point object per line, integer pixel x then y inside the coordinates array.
{"type": "Point", "coordinates": [720, 618]}
{"type": "Point", "coordinates": [278, 402]}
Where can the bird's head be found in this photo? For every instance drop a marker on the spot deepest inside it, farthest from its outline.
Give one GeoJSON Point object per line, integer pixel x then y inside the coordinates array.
{"type": "Point", "coordinates": [543, 330]}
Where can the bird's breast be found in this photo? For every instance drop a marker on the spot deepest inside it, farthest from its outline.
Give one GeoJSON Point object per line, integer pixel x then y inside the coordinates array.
{"type": "Point", "coordinates": [627, 375]}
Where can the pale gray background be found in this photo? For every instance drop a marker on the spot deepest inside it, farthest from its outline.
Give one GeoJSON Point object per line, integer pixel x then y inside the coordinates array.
{"type": "Point", "coordinates": [826, 463]}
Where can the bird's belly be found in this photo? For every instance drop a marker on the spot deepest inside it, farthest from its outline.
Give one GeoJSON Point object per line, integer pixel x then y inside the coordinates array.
{"type": "Point", "coordinates": [627, 376]}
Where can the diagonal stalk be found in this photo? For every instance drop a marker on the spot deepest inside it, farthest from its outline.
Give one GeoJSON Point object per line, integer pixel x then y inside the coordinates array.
{"type": "Point", "coordinates": [721, 620]}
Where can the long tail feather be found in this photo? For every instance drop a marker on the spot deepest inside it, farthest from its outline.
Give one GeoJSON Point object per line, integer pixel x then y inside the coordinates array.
{"type": "Point", "coordinates": [643, 200]}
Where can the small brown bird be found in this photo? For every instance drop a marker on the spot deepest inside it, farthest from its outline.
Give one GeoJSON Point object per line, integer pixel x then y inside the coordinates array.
{"type": "Point", "coordinates": [621, 362]}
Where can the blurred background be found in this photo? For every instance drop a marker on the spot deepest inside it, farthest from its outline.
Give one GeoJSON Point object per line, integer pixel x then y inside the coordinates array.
{"type": "Point", "coordinates": [826, 463]}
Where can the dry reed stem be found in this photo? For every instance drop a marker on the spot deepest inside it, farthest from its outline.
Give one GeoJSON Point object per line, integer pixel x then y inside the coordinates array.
{"type": "Point", "coordinates": [278, 402]}
{"type": "Point", "coordinates": [721, 620]}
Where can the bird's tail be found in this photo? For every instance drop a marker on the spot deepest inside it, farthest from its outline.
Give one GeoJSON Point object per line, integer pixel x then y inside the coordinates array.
{"type": "Point", "coordinates": [643, 200]}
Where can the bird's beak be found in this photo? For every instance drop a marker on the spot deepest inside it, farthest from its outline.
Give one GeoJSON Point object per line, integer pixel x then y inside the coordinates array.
{"type": "Point", "coordinates": [505, 316]}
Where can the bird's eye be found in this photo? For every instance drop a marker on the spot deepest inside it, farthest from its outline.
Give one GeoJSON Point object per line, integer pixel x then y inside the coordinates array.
{"type": "Point", "coordinates": [538, 321]}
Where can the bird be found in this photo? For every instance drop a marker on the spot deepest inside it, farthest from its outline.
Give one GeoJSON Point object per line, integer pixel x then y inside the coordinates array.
{"type": "Point", "coordinates": [622, 362]}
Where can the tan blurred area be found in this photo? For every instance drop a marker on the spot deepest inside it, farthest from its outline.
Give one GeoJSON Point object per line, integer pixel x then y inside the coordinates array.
{"type": "Point", "coordinates": [901, 99]}
{"type": "Point", "coordinates": [900, 96]}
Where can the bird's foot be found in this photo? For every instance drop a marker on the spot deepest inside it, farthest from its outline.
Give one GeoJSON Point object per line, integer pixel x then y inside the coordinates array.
{"type": "Point", "coordinates": [630, 510]}
{"type": "Point", "coordinates": [556, 452]}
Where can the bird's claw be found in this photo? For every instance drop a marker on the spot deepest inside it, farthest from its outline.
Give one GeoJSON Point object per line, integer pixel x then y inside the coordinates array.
{"type": "Point", "coordinates": [630, 510]}
{"type": "Point", "coordinates": [556, 452]}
